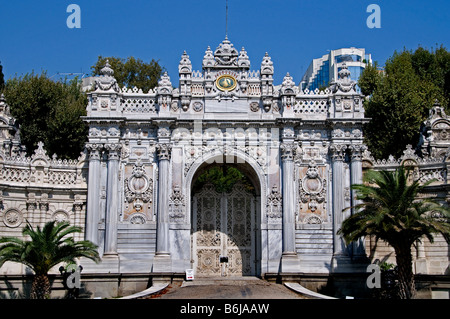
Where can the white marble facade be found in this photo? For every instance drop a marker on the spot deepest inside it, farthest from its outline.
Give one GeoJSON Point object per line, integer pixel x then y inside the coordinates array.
{"type": "Point", "coordinates": [132, 190]}
{"type": "Point", "coordinates": [300, 149]}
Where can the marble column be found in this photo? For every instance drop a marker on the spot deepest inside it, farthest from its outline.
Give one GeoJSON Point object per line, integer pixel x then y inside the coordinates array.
{"type": "Point", "coordinates": [289, 258]}
{"type": "Point", "coordinates": [337, 164]}
{"type": "Point", "coordinates": [162, 261]}
{"type": "Point", "coordinates": [357, 178]}
{"type": "Point", "coordinates": [31, 210]}
{"type": "Point", "coordinates": [112, 200]}
{"type": "Point", "coordinates": [420, 263]}
{"type": "Point", "coordinates": [93, 196]}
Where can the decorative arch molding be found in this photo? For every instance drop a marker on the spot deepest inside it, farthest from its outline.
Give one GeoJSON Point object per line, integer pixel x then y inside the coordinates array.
{"type": "Point", "coordinates": [217, 156]}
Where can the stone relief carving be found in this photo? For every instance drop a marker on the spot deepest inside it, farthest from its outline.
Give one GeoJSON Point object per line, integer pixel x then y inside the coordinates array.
{"type": "Point", "coordinates": [226, 54]}
{"type": "Point", "coordinates": [138, 189]}
{"type": "Point", "coordinates": [274, 206]}
{"type": "Point", "coordinates": [193, 153]}
{"type": "Point", "coordinates": [254, 106]}
{"type": "Point", "coordinates": [197, 106]}
{"type": "Point", "coordinates": [312, 188]}
{"type": "Point", "coordinates": [312, 219]}
{"type": "Point", "coordinates": [344, 83]}
{"type": "Point", "coordinates": [60, 216]}
{"type": "Point", "coordinates": [288, 151]}
{"type": "Point", "coordinates": [13, 218]}
{"type": "Point", "coordinates": [137, 219]}
{"type": "Point", "coordinates": [164, 151]}
{"type": "Point", "coordinates": [106, 80]}
{"type": "Point", "coordinates": [176, 205]}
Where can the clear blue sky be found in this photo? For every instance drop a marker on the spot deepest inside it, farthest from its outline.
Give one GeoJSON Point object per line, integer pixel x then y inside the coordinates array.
{"type": "Point", "coordinates": [34, 34]}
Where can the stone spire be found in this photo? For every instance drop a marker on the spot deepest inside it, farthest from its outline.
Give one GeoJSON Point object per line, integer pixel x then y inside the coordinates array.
{"type": "Point", "coordinates": [185, 72]}
{"type": "Point", "coordinates": [267, 65]}
{"type": "Point", "coordinates": [226, 55]}
{"type": "Point", "coordinates": [208, 59]}
{"type": "Point", "coordinates": [288, 84]}
{"type": "Point", "coordinates": [164, 84]}
{"type": "Point", "coordinates": [164, 91]}
{"type": "Point", "coordinates": [185, 65]}
{"type": "Point", "coordinates": [243, 61]}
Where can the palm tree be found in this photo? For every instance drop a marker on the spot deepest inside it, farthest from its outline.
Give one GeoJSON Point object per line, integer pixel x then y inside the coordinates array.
{"type": "Point", "coordinates": [390, 210]}
{"type": "Point", "coordinates": [48, 247]}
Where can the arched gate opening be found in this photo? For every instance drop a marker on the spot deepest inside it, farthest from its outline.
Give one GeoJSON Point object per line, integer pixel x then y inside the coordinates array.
{"type": "Point", "coordinates": [225, 237]}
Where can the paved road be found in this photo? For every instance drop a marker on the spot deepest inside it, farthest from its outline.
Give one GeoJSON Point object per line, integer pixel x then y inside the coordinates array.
{"type": "Point", "coordinates": [236, 288]}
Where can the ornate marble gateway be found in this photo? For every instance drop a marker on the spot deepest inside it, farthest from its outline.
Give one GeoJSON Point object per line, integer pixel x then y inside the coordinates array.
{"type": "Point", "coordinates": [132, 189]}
{"type": "Point", "coordinates": [146, 150]}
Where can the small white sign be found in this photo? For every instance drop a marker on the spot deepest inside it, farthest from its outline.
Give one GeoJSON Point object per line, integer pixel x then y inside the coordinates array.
{"type": "Point", "coordinates": [189, 274]}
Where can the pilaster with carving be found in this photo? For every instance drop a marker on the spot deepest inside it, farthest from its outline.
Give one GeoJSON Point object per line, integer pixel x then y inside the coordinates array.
{"type": "Point", "coordinates": [112, 200]}
{"type": "Point", "coordinates": [93, 196]}
{"type": "Point", "coordinates": [288, 147]}
{"type": "Point", "coordinates": [356, 154]}
{"type": "Point", "coordinates": [164, 151]}
{"type": "Point", "coordinates": [162, 257]}
{"type": "Point", "coordinates": [337, 153]}
{"type": "Point", "coordinates": [288, 151]}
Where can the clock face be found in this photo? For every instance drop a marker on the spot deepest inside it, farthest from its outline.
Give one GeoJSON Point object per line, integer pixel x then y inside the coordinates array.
{"type": "Point", "coordinates": [226, 82]}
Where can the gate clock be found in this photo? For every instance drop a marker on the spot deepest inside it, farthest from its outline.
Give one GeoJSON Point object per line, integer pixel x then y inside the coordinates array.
{"type": "Point", "coordinates": [226, 82]}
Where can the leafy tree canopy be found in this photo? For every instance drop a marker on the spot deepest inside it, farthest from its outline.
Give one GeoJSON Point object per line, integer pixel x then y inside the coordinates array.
{"type": "Point", "coordinates": [131, 72]}
{"type": "Point", "coordinates": [223, 179]}
{"type": "Point", "coordinates": [389, 210]}
{"type": "Point", "coordinates": [400, 97]}
{"type": "Point", "coordinates": [50, 112]}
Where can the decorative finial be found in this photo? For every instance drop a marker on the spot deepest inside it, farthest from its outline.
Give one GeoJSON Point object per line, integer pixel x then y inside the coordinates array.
{"type": "Point", "coordinates": [344, 73]}
{"type": "Point", "coordinates": [106, 70]}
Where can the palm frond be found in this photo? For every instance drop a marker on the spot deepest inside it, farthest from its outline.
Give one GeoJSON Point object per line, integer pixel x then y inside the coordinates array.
{"type": "Point", "coordinates": [389, 208]}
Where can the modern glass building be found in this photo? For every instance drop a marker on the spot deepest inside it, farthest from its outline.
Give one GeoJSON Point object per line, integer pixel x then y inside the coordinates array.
{"type": "Point", "coordinates": [323, 71]}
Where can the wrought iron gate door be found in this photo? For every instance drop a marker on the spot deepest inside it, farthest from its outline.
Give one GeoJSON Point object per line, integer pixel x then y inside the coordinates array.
{"type": "Point", "coordinates": [223, 240]}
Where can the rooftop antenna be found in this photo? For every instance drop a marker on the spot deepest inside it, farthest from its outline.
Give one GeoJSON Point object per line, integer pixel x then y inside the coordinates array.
{"type": "Point", "coordinates": [226, 20]}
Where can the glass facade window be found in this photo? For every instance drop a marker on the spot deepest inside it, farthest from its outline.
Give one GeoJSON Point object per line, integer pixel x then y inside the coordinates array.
{"type": "Point", "coordinates": [347, 58]}
{"type": "Point", "coordinates": [355, 72]}
{"type": "Point", "coordinates": [322, 77]}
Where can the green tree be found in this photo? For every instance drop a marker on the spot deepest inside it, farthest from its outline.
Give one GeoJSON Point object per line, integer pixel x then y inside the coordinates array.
{"type": "Point", "coordinates": [47, 248]}
{"type": "Point", "coordinates": [223, 178]}
{"type": "Point", "coordinates": [131, 72]}
{"type": "Point", "coordinates": [390, 210]}
{"type": "Point", "coordinates": [369, 79]}
{"type": "Point", "coordinates": [50, 112]}
{"type": "Point", "coordinates": [400, 97]}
